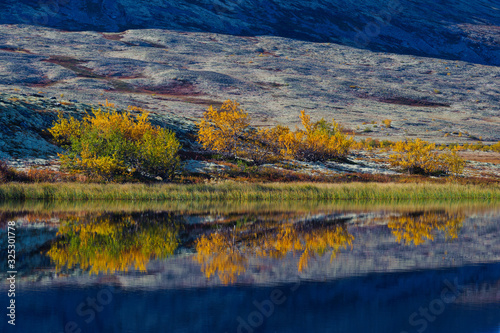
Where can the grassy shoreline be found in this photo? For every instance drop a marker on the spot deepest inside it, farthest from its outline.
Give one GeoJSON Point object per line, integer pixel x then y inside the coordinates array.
{"type": "Point", "coordinates": [233, 191]}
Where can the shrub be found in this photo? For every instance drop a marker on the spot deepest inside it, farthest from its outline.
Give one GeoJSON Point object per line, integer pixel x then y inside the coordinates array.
{"type": "Point", "coordinates": [227, 132]}
{"type": "Point", "coordinates": [221, 130]}
{"type": "Point", "coordinates": [418, 156]}
{"type": "Point", "coordinates": [108, 243]}
{"type": "Point", "coordinates": [496, 147]}
{"type": "Point", "coordinates": [158, 153]}
{"type": "Point", "coordinates": [8, 173]}
{"type": "Point", "coordinates": [321, 140]}
{"type": "Point", "coordinates": [108, 145]}
{"type": "Point", "coordinates": [387, 123]}
{"type": "Point", "coordinates": [262, 145]}
{"type": "Point", "coordinates": [417, 229]}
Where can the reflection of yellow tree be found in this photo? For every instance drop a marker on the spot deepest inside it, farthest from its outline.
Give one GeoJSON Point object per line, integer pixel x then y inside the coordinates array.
{"type": "Point", "coordinates": [419, 228]}
{"type": "Point", "coordinates": [278, 244]}
{"type": "Point", "coordinates": [217, 253]}
{"type": "Point", "coordinates": [109, 243]}
{"type": "Point", "coordinates": [225, 254]}
{"type": "Point", "coordinates": [321, 241]}
{"type": "Point", "coordinates": [310, 242]}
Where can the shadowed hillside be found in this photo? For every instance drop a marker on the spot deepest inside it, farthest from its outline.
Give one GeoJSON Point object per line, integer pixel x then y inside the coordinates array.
{"type": "Point", "coordinates": [459, 29]}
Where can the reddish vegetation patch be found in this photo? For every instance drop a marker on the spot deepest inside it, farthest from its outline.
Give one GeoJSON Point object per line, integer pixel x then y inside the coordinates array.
{"type": "Point", "coordinates": [127, 77]}
{"type": "Point", "coordinates": [119, 36]}
{"type": "Point", "coordinates": [250, 38]}
{"type": "Point", "coordinates": [177, 88]}
{"type": "Point", "coordinates": [14, 49]}
{"type": "Point", "coordinates": [73, 65]}
{"type": "Point", "coordinates": [348, 131]}
{"type": "Point", "coordinates": [488, 157]}
{"type": "Point", "coordinates": [192, 100]}
{"type": "Point", "coordinates": [270, 54]}
{"type": "Point", "coordinates": [399, 100]}
{"type": "Point", "coordinates": [43, 84]}
{"type": "Point", "coordinates": [116, 37]}
{"type": "Point", "coordinates": [412, 102]}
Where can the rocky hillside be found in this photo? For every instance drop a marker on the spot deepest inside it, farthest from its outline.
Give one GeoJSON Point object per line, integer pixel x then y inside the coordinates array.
{"type": "Point", "coordinates": [459, 29]}
{"type": "Point", "coordinates": [25, 119]}
{"type": "Point", "coordinates": [429, 68]}
{"type": "Point", "coordinates": [182, 73]}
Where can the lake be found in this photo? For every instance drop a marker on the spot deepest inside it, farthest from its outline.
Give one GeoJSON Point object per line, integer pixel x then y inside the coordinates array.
{"type": "Point", "coordinates": [252, 267]}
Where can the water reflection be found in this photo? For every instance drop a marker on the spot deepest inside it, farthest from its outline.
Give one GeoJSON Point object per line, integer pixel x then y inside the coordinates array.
{"type": "Point", "coordinates": [416, 228]}
{"type": "Point", "coordinates": [226, 252]}
{"type": "Point", "coordinates": [110, 242]}
{"type": "Point", "coordinates": [214, 269]}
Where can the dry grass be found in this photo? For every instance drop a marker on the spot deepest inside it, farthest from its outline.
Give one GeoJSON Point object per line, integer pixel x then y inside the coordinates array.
{"type": "Point", "coordinates": [232, 191]}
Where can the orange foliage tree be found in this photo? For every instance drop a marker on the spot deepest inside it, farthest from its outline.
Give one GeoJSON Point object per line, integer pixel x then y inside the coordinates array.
{"type": "Point", "coordinates": [226, 253]}
{"type": "Point", "coordinates": [320, 140]}
{"type": "Point", "coordinates": [106, 243]}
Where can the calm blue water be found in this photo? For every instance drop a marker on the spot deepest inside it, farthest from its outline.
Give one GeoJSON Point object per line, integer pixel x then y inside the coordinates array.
{"type": "Point", "coordinates": [380, 285]}
{"type": "Point", "coordinates": [372, 303]}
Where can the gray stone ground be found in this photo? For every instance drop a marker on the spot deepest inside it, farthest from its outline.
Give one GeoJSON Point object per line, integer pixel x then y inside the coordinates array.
{"type": "Point", "coordinates": [272, 77]}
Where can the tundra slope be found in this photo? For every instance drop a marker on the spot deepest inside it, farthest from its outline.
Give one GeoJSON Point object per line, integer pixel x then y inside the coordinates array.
{"type": "Point", "coordinates": [459, 30]}
{"type": "Point", "coordinates": [181, 73]}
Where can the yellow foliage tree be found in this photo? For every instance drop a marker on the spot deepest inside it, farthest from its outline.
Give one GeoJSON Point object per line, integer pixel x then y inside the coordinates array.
{"type": "Point", "coordinates": [217, 253]}
{"type": "Point", "coordinates": [109, 145]}
{"type": "Point", "coordinates": [419, 156]}
{"type": "Point", "coordinates": [221, 130]}
{"type": "Point", "coordinates": [227, 131]}
{"type": "Point", "coordinates": [226, 253]}
{"type": "Point", "coordinates": [263, 145]}
{"type": "Point", "coordinates": [322, 140]}
{"type": "Point", "coordinates": [318, 141]}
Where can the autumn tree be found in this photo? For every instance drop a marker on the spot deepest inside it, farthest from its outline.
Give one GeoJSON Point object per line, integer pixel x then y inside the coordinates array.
{"type": "Point", "coordinates": [218, 253]}
{"type": "Point", "coordinates": [265, 145]}
{"type": "Point", "coordinates": [419, 156]}
{"type": "Point", "coordinates": [109, 145]}
{"type": "Point", "coordinates": [221, 130]}
{"type": "Point", "coordinates": [417, 229]}
{"type": "Point", "coordinates": [226, 252]}
{"type": "Point", "coordinates": [227, 131]}
{"type": "Point", "coordinates": [321, 140]}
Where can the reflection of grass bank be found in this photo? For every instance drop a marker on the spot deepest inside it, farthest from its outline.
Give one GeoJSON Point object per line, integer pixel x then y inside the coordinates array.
{"type": "Point", "coordinates": [40, 209]}
{"type": "Point", "coordinates": [247, 192]}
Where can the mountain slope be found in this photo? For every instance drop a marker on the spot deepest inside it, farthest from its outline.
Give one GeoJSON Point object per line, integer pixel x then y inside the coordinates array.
{"type": "Point", "coordinates": [458, 29]}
